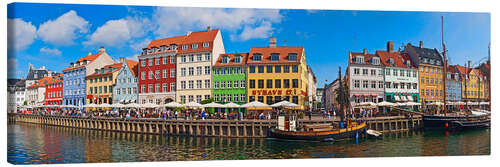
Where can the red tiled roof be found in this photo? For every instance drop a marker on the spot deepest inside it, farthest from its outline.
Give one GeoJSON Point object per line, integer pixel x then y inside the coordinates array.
{"type": "Point", "coordinates": [133, 66]}
{"type": "Point", "coordinates": [117, 67]}
{"type": "Point", "coordinates": [194, 37]}
{"type": "Point", "coordinates": [399, 59]}
{"type": "Point", "coordinates": [282, 50]}
{"type": "Point", "coordinates": [462, 69]}
{"type": "Point", "coordinates": [231, 60]}
{"type": "Point", "coordinates": [451, 69]}
{"type": "Point", "coordinates": [41, 82]}
{"type": "Point", "coordinates": [89, 58]}
{"type": "Point", "coordinates": [367, 56]}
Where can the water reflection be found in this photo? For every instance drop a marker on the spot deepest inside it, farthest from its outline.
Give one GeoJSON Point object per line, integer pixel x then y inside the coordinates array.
{"type": "Point", "coordinates": [34, 144]}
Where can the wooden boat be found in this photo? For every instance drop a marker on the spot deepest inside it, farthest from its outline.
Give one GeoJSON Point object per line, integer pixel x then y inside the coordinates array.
{"type": "Point", "coordinates": [456, 121]}
{"type": "Point", "coordinates": [320, 132]}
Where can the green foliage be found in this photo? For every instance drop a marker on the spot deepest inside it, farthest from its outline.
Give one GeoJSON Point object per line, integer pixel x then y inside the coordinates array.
{"type": "Point", "coordinates": [206, 101]}
{"type": "Point", "coordinates": [318, 105]}
{"type": "Point", "coordinates": [25, 102]}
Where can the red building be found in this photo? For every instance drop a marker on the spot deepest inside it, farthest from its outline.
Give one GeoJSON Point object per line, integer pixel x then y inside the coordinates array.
{"type": "Point", "coordinates": [54, 90]}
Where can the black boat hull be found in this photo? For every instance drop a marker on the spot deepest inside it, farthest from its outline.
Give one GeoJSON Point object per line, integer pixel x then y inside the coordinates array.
{"type": "Point", "coordinates": [274, 133]}
{"type": "Point", "coordinates": [455, 122]}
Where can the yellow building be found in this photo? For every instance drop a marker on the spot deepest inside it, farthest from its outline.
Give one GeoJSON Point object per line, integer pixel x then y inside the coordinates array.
{"type": "Point", "coordinates": [430, 72]}
{"type": "Point", "coordinates": [100, 84]}
{"type": "Point", "coordinates": [474, 84]}
{"type": "Point", "coordinates": [277, 73]}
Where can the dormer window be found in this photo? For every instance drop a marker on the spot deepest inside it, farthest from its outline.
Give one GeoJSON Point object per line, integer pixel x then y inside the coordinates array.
{"type": "Point", "coordinates": [431, 61]}
{"type": "Point", "coordinates": [173, 47]}
{"type": "Point", "coordinates": [375, 61]}
{"type": "Point", "coordinates": [206, 44]}
{"type": "Point", "coordinates": [225, 59]}
{"type": "Point", "coordinates": [292, 57]}
{"type": "Point", "coordinates": [408, 64]}
{"type": "Point", "coordinates": [275, 57]}
{"type": "Point", "coordinates": [184, 47]}
{"type": "Point", "coordinates": [163, 48]}
{"type": "Point", "coordinates": [360, 59]}
{"type": "Point", "coordinates": [149, 51]}
{"type": "Point", "coordinates": [438, 63]}
{"type": "Point", "coordinates": [257, 57]}
{"type": "Point", "coordinates": [391, 61]}
{"type": "Point", "coordinates": [237, 58]}
{"type": "Point", "coordinates": [194, 46]}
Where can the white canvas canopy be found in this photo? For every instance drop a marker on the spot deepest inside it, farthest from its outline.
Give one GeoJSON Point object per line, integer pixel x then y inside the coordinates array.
{"type": "Point", "coordinates": [172, 105]}
{"type": "Point", "coordinates": [213, 105]}
{"type": "Point", "coordinates": [192, 104]}
{"type": "Point", "coordinates": [231, 105]}
{"type": "Point", "coordinates": [149, 105]}
{"type": "Point", "coordinates": [284, 103]}
{"type": "Point", "coordinates": [254, 104]}
{"type": "Point", "coordinates": [385, 104]}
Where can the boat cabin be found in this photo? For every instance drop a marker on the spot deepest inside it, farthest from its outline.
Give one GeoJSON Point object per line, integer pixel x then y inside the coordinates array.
{"type": "Point", "coordinates": [287, 122]}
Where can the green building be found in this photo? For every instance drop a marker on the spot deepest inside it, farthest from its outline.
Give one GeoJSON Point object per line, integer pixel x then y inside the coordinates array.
{"type": "Point", "coordinates": [229, 79]}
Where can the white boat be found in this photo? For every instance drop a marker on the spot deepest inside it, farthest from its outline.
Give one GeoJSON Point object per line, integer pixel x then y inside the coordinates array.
{"type": "Point", "coordinates": [373, 133]}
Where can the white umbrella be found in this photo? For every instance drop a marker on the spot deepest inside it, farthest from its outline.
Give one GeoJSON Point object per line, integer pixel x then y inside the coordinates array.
{"type": "Point", "coordinates": [104, 105]}
{"type": "Point", "coordinates": [231, 105]}
{"type": "Point", "coordinates": [254, 104]}
{"type": "Point", "coordinates": [412, 103]}
{"type": "Point", "coordinates": [118, 105]}
{"type": "Point", "coordinates": [214, 105]}
{"type": "Point", "coordinates": [132, 105]}
{"type": "Point", "coordinates": [385, 104]}
{"type": "Point", "coordinates": [484, 103]}
{"type": "Point", "coordinates": [436, 103]}
{"type": "Point", "coordinates": [70, 106]}
{"type": "Point", "coordinates": [284, 103]}
{"type": "Point", "coordinates": [149, 105]}
{"type": "Point", "coordinates": [172, 105]}
{"type": "Point", "coordinates": [401, 104]}
{"type": "Point", "coordinates": [192, 104]}
{"type": "Point", "coordinates": [366, 104]}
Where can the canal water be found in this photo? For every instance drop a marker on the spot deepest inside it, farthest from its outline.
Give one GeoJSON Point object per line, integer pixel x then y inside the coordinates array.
{"type": "Point", "coordinates": [37, 144]}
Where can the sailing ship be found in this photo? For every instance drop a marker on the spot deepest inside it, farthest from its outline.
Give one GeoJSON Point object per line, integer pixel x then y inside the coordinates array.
{"type": "Point", "coordinates": [469, 120]}
{"type": "Point", "coordinates": [287, 127]}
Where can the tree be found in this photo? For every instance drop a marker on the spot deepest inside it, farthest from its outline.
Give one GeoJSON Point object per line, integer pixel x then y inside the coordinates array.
{"type": "Point", "coordinates": [25, 102]}
{"type": "Point", "coordinates": [343, 94]}
{"type": "Point", "coordinates": [318, 105]}
{"type": "Point", "coordinates": [206, 101]}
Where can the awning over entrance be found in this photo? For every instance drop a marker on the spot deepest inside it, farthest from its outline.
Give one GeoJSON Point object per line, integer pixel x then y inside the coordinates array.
{"type": "Point", "coordinates": [410, 98]}
{"type": "Point", "coordinates": [374, 95]}
{"type": "Point", "coordinates": [403, 98]}
{"type": "Point", "coordinates": [357, 95]}
{"type": "Point", "coordinates": [396, 98]}
{"type": "Point", "coordinates": [366, 95]}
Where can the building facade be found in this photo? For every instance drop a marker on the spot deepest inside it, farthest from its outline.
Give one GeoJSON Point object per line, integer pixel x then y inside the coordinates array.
{"type": "Point", "coordinates": [311, 89]}
{"type": "Point", "coordinates": [319, 97]}
{"type": "Point", "coordinates": [125, 89]}
{"type": "Point", "coordinates": [15, 93]}
{"type": "Point", "coordinates": [473, 83]}
{"type": "Point", "coordinates": [35, 94]}
{"type": "Point", "coordinates": [365, 78]}
{"type": "Point", "coordinates": [330, 95]}
{"type": "Point", "coordinates": [54, 91]}
{"type": "Point", "coordinates": [229, 78]}
{"type": "Point", "coordinates": [196, 55]}
{"type": "Point", "coordinates": [453, 85]}
{"type": "Point", "coordinates": [400, 76]}
{"type": "Point", "coordinates": [75, 85]}
{"type": "Point", "coordinates": [277, 73]}
{"type": "Point", "coordinates": [100, 84]}
{"type": "Point", "coordinates": [37, 74]}
{"type": "Point", "coordinates": [430, 72]}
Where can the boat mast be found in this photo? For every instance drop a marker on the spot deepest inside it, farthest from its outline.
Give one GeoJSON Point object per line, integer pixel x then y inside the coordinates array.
{"type": "Point", "coordinates": [466, 83]}
{"type": "Point", "coordinates": [445, 66]}
{"type": "Point", "coordinates": [341, 94]}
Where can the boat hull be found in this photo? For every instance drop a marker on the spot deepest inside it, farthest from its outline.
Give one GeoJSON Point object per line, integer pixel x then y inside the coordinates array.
{"type": "Point", "coordinates": [334, 135]}
{"type": "Point", "coordinates": [454, 122]}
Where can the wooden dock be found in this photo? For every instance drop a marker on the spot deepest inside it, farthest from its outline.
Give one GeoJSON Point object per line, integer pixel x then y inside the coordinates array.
{"type": "Point", "coordinates": [207, 128]}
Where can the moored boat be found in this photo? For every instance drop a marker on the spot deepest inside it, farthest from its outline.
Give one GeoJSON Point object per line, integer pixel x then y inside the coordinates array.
{"type": "Point", "coordinates": [456, 121]}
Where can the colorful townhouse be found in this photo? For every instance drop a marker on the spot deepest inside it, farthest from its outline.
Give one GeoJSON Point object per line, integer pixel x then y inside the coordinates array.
{"type": "Point", "coordinates": [229, 78]}
{"type": "Point", "coordinates": [485, 70]}
{"type": "Point", "coordinates": [54, 90]}
{"type": "Point", "coordinates": [197, 54]}
{"type": "Point", "coordinates": [125, 89]}
{"type": "Point", "coordinates": [365, 78]}
{"type": "Point", "coordinates": [311, 89]}
{"type": "Point", "coordinates": [430, 72]}
{"type": "Point", "coordinates": [100, 84]}
{"type": "Point", "coordinates": [75, 85]}
{"type": "Point", "coordinates": [453, 84]}
{"type": "Point", "coordinates": [400, 75]}
{"type": "Point", "coordinates": [35, 94]}
{"type": "Point", "coordinates": [277, 73]}
{"type": "Point", "coordinates": [473, 83]}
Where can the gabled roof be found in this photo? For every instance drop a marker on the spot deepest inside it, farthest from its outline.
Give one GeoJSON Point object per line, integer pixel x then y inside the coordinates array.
{"type": "Point", "coordinates": [282, 50]}
{"type": "Point", "coordinates": [423, 52]}
{"type": "Point", "coordinates": [42, 82]}
{"type": "Point", "coordinates": [116, 66]}
{"type": "Point", "coordinates": [451, 69]}
{"type": "Point", "coordinates": [462, 69]}
{"type": "Point", "coordinates": [133, 66]}
{"type": "Point", "coordinates": [188, 39]}
{"type": "Point", "coordinates": [231, 62]}
{"type": "Point", "coordinates": [90, 58]}
{"type": "Point", "coordinates": [367, 57]}
{"type": "Point", "coordinates": [399, 59]}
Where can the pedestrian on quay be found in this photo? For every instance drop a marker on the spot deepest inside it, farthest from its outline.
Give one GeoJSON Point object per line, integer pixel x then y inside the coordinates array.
{"type": "Point", "coordinates": [203, 115]}
{"type": "Point", "coordinates": [328, 114]}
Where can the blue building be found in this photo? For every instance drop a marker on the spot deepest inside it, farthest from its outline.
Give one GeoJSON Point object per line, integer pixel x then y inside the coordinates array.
{"type": "Point", "coordinates": [125, 90]}
{"type": "Point", "coordinates": [453, 85]}
{"type": "Point", "coordinates": [74, 85]}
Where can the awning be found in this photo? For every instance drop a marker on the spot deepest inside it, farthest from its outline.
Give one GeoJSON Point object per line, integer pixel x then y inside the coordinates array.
{"type": "Point", "coordinates": [403, 98]}
{"type": "Point", "coordinates": [357, 95]}
{"type": "Point", "coordinates": [374, 95]}
{"type": "Point", "coordinates": [366, 95]}
{"type": "Point", "coordinates": [396, 98]}
{"type": "Point", "coordinates": [410, 98]}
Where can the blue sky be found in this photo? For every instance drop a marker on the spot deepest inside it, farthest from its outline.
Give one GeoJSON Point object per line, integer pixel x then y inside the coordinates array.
{"type": "Point", "coordinates": [53, 35]}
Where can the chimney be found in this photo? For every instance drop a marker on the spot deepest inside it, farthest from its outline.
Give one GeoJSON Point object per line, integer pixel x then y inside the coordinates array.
{"type": "Point", "coordinates": [364, 51]}
{"type": "Point", "coordinates": [272, 42]}
{"type": "Point", "coordinates": [101, 49]}
{"type": "Point", "coordinates": [421, 45]}
{"type": "Point", "coordinates": [122, 60]}
{"type": "Point", "coordinates": [208, 28]}
{"type": "Point", "coordinates": [469, 64]}
{"type": "Point", "coordinates": [188, 33]}
{"type": "Point", "coordinates": [90, 54]}
{"type": "Point", "coordinates": [390, 46]}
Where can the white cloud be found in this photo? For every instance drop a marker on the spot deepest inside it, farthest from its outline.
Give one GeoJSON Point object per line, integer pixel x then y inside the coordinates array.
{"type": "Point", "coordinates": [138, 45]}
{"type": "Point", "coordinates": [176, 21]}
{"type": "Point", "coordinates": [64, 29]}
{"type": "Point", "coordinates": [263, 31]}
{"type": "Point", "coordinates": [134, 57]}
{"type": "Point", "coordinates": [21, 34]}
{"type": "Point", "coordinates": [50, 52]}
{"type": "Point", "coordinates": [115, 33]}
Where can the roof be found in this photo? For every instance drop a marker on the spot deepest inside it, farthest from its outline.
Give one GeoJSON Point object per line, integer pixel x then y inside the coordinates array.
{"type": "Point", "coordinates": [462, 69]}
{"type": "Point", "coordinates": [12, 82]}
{"type": "Point", "coordinates": [399, 59]}
{"type": "Point", "coordinates": [133, 66]}
{"type": "Point", "coordinates": [451, 69]}
{"type": "Point", "coordinates": [231, 60]}
{"type": "Point", "coordinates": [188, 39]}
{"type": "Point", "coordinates": [367, 57]}
{"type": "Point", "coordinates": [116, 67]}
{"type": "Point", "coordinates": [42, 82]}
{"type": "Point", "coordinates": [89, 58]}
{"type": "Point", "coordinates": [40, 73]}
{"type": "Point", "coordinates": [282, 50]}
{"type": "Point", "coordinates": [423, 52]}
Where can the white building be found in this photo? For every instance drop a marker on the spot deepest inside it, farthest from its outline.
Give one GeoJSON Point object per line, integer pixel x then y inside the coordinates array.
{"type": "Point", "coordinates": [311, 88]}
{"type": "Point", "coordinates": [35, 94]}
{"type": "Point", "coordinates": [365, 78]}
{"type": "Point", "coordinates": [15, 93]}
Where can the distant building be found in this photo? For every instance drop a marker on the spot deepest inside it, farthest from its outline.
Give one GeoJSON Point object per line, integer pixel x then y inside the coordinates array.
{"type": "Point", "coordinates": [125, 89]}
{"type": "Point", "coordinates": [365, 78]}
{"type": "Point", "coordinates": [311, 88]}
{"type": "Point", "coordinates": [37, 74]}
{"type": "Point", "coordinates": [15, 93]}
{"type": "Point", "coordinates": [54, 90]}
{"type": "Point", "coordinates": [474, 83]}
{"type": "Point", "coordinates": [319, 97]}
{"type": "Point", "coordinates": [100, 84]}
{"type": "Point", "coordinates": [453, 84]}
{"type": "Point", "coordinates": [35, 94]}
{"type": "Point", "coordinates": [330, 95]}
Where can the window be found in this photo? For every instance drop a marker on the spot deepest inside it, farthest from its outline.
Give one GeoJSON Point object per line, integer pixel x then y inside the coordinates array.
{"type": "Point", "coordinates": [261, 69]}
{"type": "Point", "coordinates": [251, 98]}
{"type": "Point", "coordinates": [194, 46]}
{"type": "Point", "coordinates": [143, 63]}
{"type": "Point", "coordinates": [150, 62]}
{"type": "Point", "coordinates": [229, 84]}
{"type": "Point", "coordinates": [172, 72]}
{"type": "Point", "coordinates": [223, 84]}
{"type": "Point", "coordinates": [251, 69]}
{"type": "Point", "coordinates": [165, 73]}
{"type": "Point", "coordinates": [292, 57]}
{"type": "Point", "coordinates": [269, 100]}
{"type": "Point", "coordinates": [277, 83]}
{"type": "Point", "coordinates": [207, 84]}
{"type": "Point", "coordinates": [286, 83]}
{"type": "Point", "coordinates": [183, 85]}
{"type": "Point", "coordinates": [157, 74]}
{"type": "Point", "coordinates": [373, 72]}
{"type": "Point", "coordinates": [183, 58]}
{"type": "Point", "coordinates": [143, 89]}
{"type": "Point", "coordinates": [269, 83]}
{"type": "Point", "coordinates": [380, 84]}
{"type": "Point", "coordinates": [414, 85]}
{"type": "Point", "coordinates": [295, 83]}
{"type": "Point", "coordinates": [365, 84]}
{"type": "Point", "coordinates": [150, 88]}
{"type": "Point", "coordinates": [157, 87]}
{"type": "Point", "coordinates": [252, 83]}
{"type": "Point", "coordinates": [150, 76]}
{"type": "Point", "coordinates": [236, 84]}
{"type": "Point", "coordinates": [295, 69]}
{"type": "Point", "coordinates": [286, 68]}
{"type": "Point", "coordinates": [395, 85]}
{"type": "Point", "coordinates": [207, 70]}
{"type": "Point", "coordinates": [260, 99]}
{"type": "Point", "coordinates": [257, 57]}
{"type": "Point", "coordinates": [172, 59]}
{"type": "Point", "coordinates": [184, 47]}
{"type": "Point", "coordinates": [242, 84]}
{"type": "Point", "coordinates": [356, 71]}
{"type": "Point", "coordinates": [374, 84]}
{"type": "Point", "coordinates": [295, 99]}
{"type": "Point", "coordinates": [207, 57]}
{"type": "Point", "coordinates": [205, 44]}
{"type": "Point", "coordinates": [190, 84]}
{"type": "Point", "coordinates": [388, 84]}
{"type": "Point", "coordinates": [365, 71]}
{"type": "Point", "coordinates": [225, 59]}
{"type": "Point", "coordinates": [275, 57]}
{"type": "Point", "coordinates": [277, 69]}
{"type": "Point", "coordinates": [198, 70]}
{"type": "Point", "coordinates": [237, 58]}
{"type": "Point", "coordinates": [164, 60]}
{"type": "Point", "coordinates": [260, 83]}
{"type": "Point", "coordinates": [191, 71]}
{"type": "Point", "coordinates": [388, 72]}
{"type": "Point", "coordinates": [198, 84]}
{"type": "Point", "coordinates": [230, 70]}
{"type": "Point", "coordinates": [191, 58]}
{"type": "Point", "coordinates": [183, 99]}
{"type": "Point", "coordinates": [191, 98]}
{"type": "Point", "coordinates": [157, 61]}
{"type": "Point", "coordinates": [356, 83]}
